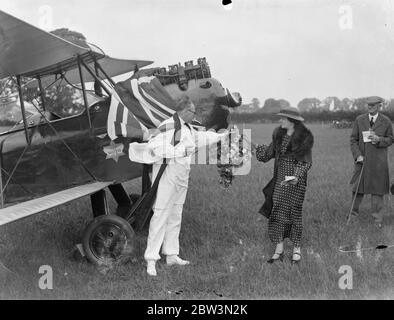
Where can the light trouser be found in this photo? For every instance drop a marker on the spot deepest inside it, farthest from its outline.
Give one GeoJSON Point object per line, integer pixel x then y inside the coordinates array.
{"type": "Point", "coordinates": [164, 230]}
{"type": "Point", "coordinates": [376, 203]}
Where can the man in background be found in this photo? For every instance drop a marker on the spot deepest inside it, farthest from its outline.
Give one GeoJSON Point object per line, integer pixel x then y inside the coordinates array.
{"type": "Point", "coordinates": [372, 134]}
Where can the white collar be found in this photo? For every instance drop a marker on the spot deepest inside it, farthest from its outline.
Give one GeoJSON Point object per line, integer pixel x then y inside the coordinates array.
{"type": "Point", "coordinates": [373, 117]}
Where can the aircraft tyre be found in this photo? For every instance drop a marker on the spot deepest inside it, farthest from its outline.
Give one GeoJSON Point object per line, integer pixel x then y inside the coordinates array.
{"type": "Point", "coordinates": [107, 240]}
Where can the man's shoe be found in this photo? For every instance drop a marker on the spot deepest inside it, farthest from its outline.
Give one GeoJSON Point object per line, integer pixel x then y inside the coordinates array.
{"type": "Point", "coordinates": [378, 219]}
{"type": "Point", "coordinates": [151, 268]}
{"type": "Point", "coordinates": [174, 259]}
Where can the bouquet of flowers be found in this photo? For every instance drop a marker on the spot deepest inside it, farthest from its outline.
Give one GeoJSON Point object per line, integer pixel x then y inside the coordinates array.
{"type": "Point", "coordinates": [231, 154]}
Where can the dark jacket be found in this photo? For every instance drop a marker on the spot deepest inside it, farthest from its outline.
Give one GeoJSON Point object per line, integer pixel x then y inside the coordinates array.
{"type": "Point", "coordinates": [375, 179]}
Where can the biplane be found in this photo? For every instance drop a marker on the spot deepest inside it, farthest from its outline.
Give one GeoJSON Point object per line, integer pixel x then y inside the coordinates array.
{"type": "Point", "coordinates": [48, 159]}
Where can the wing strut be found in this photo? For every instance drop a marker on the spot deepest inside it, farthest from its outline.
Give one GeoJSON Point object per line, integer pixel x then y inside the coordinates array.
{"type": "Point", "coordinates": [95, 77]}
{"type": "Point", "coordinates": [18, 79]}
{"type": "Point", "coordinates": [85, 99]}
{"type": "Point", "coordinates": [103, 72]}
{"type": "Point", "coordinates": [42, 93]}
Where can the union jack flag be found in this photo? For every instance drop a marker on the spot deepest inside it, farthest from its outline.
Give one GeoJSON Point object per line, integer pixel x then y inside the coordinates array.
{"type": "Point", "coordinates": [138, 106]}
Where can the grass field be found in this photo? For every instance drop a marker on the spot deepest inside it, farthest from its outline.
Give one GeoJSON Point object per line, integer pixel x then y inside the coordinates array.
{"type": "Point", "coordinates": [224, 237]}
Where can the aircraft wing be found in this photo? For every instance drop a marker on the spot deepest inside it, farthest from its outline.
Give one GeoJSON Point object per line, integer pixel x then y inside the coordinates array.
{"type": "Point", "coordinates": [28, 208]}
{"type": "Point", "coordinates": [112, 67]}
{"type": "Point", "coordinates": [27, 50]}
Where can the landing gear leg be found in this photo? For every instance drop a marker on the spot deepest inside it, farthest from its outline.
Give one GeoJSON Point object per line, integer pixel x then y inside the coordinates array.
{"type": "Point", "coordinates": [99, 203]}
{"type": "Point", "coordinates": [122, 199]}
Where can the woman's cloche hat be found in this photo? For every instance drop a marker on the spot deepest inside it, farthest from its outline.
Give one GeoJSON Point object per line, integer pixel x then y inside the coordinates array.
{"type": "Point", "coordinates": [292, 113]}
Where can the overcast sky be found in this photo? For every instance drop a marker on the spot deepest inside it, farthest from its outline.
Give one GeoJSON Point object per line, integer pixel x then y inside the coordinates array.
{"type": "Point", "coordinates": [288, 49]}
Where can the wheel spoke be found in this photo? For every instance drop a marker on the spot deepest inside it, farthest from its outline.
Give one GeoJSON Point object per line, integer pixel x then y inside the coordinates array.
{"type": "Point", "coordinates": [109, 240]}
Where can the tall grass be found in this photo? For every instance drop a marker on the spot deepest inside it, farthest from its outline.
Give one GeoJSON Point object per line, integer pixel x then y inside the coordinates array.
{"type": "Point", "coordinates": [224, 237]}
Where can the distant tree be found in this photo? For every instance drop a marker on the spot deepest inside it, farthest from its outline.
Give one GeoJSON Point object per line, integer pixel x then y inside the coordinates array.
{"type": "Point", "coordinates": [309, 104]}
{"type": "Point", "coordinates": [65, 100]}
{"type": "Point", "coordinates": [7, 87]}
{"type": "Point", "coordinates": [72, 36]}
{"type": "Point", "coordinates": [271, 106]}
{"type": "Point", "coordinates": [3, 88]}
{"type": "Point", "coordinates": [274, 106]}
{"type": "Point", "coordinates": [331, 104]}
{"type": "Point", "coordinates": [255, 103]}
{"type": "Point", "coordinates": [360, 104]}
{"type": "Point", "coordinates": [284, 103]}
{"type": "Point", "coordinates": [346, 104]}
{"type": "Point", "coordinates": [390, 105]}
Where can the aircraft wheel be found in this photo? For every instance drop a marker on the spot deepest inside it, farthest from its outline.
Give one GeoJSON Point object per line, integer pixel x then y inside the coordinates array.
{"type": "Point", "coordinates": [107, 240]}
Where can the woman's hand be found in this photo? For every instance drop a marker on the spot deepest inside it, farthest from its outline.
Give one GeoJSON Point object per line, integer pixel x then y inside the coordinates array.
{"type": "Point", "coordinates": [253, 146]}
{"type": "Point", "coordinates": [290, 182]}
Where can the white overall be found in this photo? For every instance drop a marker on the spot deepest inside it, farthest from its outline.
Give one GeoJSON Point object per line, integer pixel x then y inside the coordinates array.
{"type": "Point", "coordinates": [166, 221]}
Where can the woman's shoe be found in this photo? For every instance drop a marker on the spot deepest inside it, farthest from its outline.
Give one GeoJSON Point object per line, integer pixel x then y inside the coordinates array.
{"type": "Point", "coordinates": [296, 261]}
{"type": "Point", "coordinates": [276, 257]}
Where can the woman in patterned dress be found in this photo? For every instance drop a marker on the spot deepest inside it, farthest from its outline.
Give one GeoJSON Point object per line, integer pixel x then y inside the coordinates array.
{"type": "Point", "coordinates": [291, 147]}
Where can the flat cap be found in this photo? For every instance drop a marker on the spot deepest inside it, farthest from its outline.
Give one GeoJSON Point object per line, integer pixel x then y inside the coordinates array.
{"type": "Point", "coordinates": [374, 100]}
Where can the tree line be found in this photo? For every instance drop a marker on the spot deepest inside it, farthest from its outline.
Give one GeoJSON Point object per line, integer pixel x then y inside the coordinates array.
{"type": "Point", "coordinates": [309, 116]}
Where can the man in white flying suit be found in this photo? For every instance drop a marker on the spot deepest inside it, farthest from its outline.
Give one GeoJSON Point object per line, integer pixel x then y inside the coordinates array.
{"type": "Point", "coordinates": [165, 224]}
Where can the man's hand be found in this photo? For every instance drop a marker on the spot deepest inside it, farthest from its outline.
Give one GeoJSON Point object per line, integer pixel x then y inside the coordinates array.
{"type": "Point", "coordinates": [374, 138]}
{"type": "Point", "coordinates": [360, 159]}
{"type": "Point", "coordinates": [224, 134]}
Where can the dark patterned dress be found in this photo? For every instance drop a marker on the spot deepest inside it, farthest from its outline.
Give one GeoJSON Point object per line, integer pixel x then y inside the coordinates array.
{"type": "Point", "coordinates": [286, 217]}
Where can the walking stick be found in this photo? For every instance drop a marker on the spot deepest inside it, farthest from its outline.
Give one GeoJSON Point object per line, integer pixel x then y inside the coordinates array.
{"type": "Point", "coordinates": [355, 194]}
{"type": "Point", "coordinates": [343, 248]}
